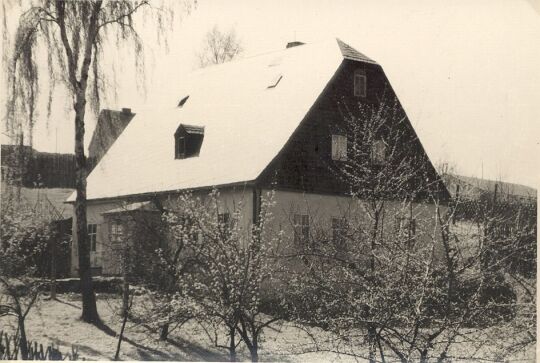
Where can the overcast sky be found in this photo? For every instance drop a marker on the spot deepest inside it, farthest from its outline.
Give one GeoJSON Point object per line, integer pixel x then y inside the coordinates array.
{"type": "Point", "coordinates": [467, 72]}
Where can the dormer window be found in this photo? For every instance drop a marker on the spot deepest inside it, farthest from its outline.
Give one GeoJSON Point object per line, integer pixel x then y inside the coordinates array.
{"type": "Point", "coordinates": [360, 83]}
{"type": "Point", "coordinates": [188, 141]}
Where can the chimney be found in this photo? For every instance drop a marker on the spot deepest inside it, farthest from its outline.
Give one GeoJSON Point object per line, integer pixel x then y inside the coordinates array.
{"type": "Point", "coordinates": [126, 110]}
{"type": "Point", "coordinates": [294, 44]}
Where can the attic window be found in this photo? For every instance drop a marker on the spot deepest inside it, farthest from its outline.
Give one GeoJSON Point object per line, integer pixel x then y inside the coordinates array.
{"type": "Point", "coordinates": [339, 147]}
{"type": "Point", "coordinates": [182, 101]}
{"type": "Point", "coordinates": [275, 81]}
{"type": "Point", "coordinates": [360, 83]}
{"type": "Point", "coordinates": [188, 140]}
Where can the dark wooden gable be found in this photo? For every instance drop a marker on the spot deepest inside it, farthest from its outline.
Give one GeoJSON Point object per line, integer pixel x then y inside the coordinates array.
{"type": "Point", "coordinates": [306, 163]}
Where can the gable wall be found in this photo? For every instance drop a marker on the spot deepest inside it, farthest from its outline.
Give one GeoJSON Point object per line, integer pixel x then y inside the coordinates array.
{"type": "Point", "coordinates": [305, 162]}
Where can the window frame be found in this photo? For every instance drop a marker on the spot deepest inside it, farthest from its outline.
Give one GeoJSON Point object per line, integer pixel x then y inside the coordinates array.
{"type": "Point", "coordinates": [117, 233]}
{"type": "Point", "coordinates": [376, 158]}
{"type": "Point", "coordinates": [339, 225]}
{"type": "Point", "coordinates": [224, 223]}
{"type": "Point", "coordinates": [360, 88]}
{"type": "Point", "coordinates": [406, 225]}
{"type": "Point", "coordinates": [91, 231]}
{"type": "Point", "coordinates": [188, 141]}
{"type": "Point", "coordinates": [339, 147]}
{"type": "Point", "coordinates": [301, 228]}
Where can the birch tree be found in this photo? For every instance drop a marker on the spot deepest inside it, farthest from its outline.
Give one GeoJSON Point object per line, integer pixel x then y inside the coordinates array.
{"type": "Point", "coordinates": [75, 36]}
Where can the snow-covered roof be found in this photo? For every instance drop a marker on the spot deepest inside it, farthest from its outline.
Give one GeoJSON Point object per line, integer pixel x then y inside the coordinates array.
{"type": "Point", "coordinates": [246, 123]}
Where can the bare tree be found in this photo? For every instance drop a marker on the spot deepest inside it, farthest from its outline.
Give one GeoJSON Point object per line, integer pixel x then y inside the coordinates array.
{"type": "Point", "coordinates": [395, 280]}
{"type": "Point", "coordinates": [24, 236]}
{"type": "Point", "coordinates": [74, 35]}
{"type": "Point", "coordinates": [219, 47]}
{"type": "Point", "coordinates": [234, 266]}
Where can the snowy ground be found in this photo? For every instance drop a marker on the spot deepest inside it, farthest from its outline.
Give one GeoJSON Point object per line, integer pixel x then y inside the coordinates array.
{"type": "Point", "coordinates": [58, 322]}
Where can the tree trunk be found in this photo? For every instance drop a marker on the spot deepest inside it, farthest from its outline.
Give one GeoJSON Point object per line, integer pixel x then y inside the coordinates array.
{"type": "Point", "coordinates": [23, 343]}
{"type": "Point", "coordinates": [164, 332]}
{"type": "Point", "coordinates": [125, 295]}
{"type": "Point", "coordinates": [424, 356]}
{"type": "Point", "coordinates": [89, 309]}
{"type": "Point", "coordinates": [125, 277]}
{"type": "Point", "coordinates": [121, 336]}
{"type": "Point", "coordinates": [372, 343]}
{"type": "Point", "coordinates": [232, 345]}
{"type": "Point", "coordinates": [254, 350]}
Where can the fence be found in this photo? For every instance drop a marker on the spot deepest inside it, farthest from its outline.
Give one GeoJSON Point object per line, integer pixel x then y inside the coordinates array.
{"type": "Point", "coordinates": [9, 350]}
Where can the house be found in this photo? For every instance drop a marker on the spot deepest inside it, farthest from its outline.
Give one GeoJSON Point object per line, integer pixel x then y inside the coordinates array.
{"type": "Point", "coordinates": [269, 122]}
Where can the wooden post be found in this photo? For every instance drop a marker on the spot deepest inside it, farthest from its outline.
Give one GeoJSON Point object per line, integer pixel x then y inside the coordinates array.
{"type": "Point", "coordinates": [53, 265]}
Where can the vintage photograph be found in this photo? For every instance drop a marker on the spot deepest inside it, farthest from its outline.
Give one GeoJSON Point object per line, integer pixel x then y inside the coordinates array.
{"type": "Point", "coordinates": [284, 181]}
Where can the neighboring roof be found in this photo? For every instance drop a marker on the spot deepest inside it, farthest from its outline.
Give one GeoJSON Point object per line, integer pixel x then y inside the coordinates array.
{"type": "Point", "coordinates": [487, 185]}
{"type": "Point", "coordinates": [245, 123]}
{"type": "Point", "coordinates": [140, 206]}
{"type": "Point", "coordinates": [110, 125]}
{"type": "Point", "coordinates": [49, 202]}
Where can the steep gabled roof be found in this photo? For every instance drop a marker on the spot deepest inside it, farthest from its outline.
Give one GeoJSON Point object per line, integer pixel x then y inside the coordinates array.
{"type": "Point", "coordinates": [246, 123]}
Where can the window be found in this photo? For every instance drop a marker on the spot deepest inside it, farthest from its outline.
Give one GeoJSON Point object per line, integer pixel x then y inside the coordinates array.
{"type": "Point", "coordinates": [116, 233]}
{"type": "Point", "coordinates": [224, 220]}
{"type": "Point", "coordinates": [339, 230]}
{"type": "Point", "coordinates": [339, 147]}
{"type": "Point", "coordinates": [92, 234]}
{"type": "Point", "coordinates": [360, 83]}
{"type": "Point", "coordinates": [378, 152]}
{"type": "Point", "coordinates": [188, 141]}
{"type": "Point", "coordinates": [406, 226]}
{"type": "Point", "coordinates": [301, 228]}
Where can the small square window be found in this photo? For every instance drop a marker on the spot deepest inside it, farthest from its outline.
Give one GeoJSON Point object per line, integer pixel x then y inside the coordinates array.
{"type": "Point", "coordinates": [339, 147]}
{"type": "Point", "coordinates": [92, 236]}
{"type": "Point", "coordinates": [116, 233]}
{"type": "Point", "coordinates": [360, 84]}
{"type": "Point", "coordinates": [301, 228]}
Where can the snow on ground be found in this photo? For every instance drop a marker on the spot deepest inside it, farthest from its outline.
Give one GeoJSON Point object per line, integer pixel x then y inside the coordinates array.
{"type": "Point", "coordinates": [59, 322]}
